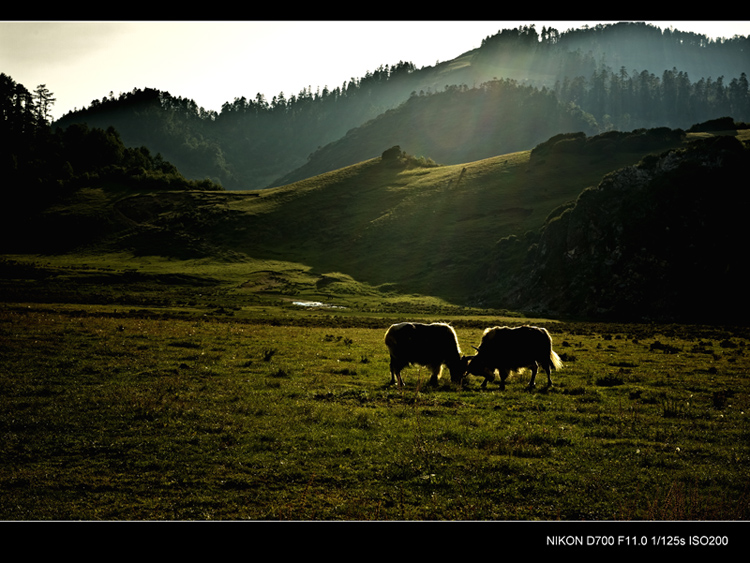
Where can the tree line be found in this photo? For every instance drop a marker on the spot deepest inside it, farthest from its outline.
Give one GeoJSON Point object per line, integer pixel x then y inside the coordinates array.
{"type": "Point", "coordinates": [619, 100]}
{"type": "Point", "coordinates": [293, 105]}
{"type": "Point", "coordinates": [251, 141]}
{"type": "Point", "coordinates": [39, 163]}
{"type": "Point", "coordinates": [631, 44]}
{"type": "Point", "coordinates": [23, 111]}
{"type": "Point", "coordinates": [629, 75]}
{"type": "Point", "coordinates": [297, 104]}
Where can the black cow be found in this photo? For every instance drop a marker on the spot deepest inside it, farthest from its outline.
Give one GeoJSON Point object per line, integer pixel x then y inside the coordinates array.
{"type": "Point", "coordinates": [430, 345]}
{"type": "Point", "coordinates": [511, 349]}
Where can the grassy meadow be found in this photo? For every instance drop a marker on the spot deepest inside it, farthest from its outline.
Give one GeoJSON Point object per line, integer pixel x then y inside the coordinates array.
{"type": "Point", "coordinates": [181, 410]}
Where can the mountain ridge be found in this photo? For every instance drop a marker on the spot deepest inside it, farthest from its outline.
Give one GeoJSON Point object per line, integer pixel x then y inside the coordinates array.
{"type": "Point", "coordinates": [254, 143]}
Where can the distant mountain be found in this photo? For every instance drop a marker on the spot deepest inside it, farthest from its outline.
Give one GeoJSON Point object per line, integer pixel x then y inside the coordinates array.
{"type": "Point", "coordinates": [250, 142]}
{"type": "Point", "coordinates": [624, 76]}
{"type": "Point", "coordinates": [545, 56]}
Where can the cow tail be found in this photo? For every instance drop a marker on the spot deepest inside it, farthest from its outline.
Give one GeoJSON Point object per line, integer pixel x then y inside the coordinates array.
{"type": "Point", "coordinates": [555, 360]}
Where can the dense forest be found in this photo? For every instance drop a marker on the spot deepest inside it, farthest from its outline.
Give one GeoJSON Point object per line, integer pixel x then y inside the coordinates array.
{"type": "Point", "coordinates": [549, 55]}
{"type": "Point", "coordinates": [62, 160]}
{"type": "Point", "coordinates": [41, 165]}
{"type": "Point", "coordinates": [620, 101]}
{"type": "Point", "coordinates": [672, 79]}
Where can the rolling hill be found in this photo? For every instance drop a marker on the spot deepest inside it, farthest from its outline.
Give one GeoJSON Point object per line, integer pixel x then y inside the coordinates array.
{"type": "Point", "coordinates": [455, 126]}
{"type": "Point", "coordinates": [392, 225]}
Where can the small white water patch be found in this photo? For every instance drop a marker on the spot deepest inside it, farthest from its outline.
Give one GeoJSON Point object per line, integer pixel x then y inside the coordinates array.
{"type": "Point", "coordinates": [316, 304]}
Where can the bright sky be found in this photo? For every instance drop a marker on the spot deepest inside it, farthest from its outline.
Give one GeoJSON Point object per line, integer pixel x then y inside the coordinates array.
{"type": "Point", "coordinates": [214, 62]}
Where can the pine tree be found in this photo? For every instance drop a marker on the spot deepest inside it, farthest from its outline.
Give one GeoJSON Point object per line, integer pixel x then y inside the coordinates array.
{"type": "Point", "coordinates": [44, 102]}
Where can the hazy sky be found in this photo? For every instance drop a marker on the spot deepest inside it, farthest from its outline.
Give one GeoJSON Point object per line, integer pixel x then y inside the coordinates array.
{"type": "Point", "coordinates": [213, 62]}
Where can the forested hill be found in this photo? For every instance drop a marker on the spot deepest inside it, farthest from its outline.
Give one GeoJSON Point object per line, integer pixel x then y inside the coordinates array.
{"type": "Point", "coordinates": [455, 126]}
{"type": "Point", "coordinates": [678, 79]}
{"type": "Point", "coordinates": [40, 167]}
{"type": "Point", "coordinates": [252, 141]}
{"type": "Point", "coordinates": [546, 56]}
{"type": "Point", "coordinates": [660, 241]}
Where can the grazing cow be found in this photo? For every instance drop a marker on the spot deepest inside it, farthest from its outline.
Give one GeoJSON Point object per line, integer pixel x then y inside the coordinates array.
{"type": "Point", "coordinates": [430, 345]}
{"type": "Point", "coordinates": [512, 349]}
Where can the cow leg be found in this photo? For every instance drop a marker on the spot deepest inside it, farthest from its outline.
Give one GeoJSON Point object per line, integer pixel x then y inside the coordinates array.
{"type": "Point", "coordinates": [534, 369]}
{"type": "Point", "coordinates": [393, 372]}
{"type": "Point", "coordinates": [400, 381]}
{"type": "Point", "coordinates": [396, 378]}
{"type": "Point", "coordinates": [503, 376]}
{"type": "Point", "coordinates": [488, 376]}
{"type": "Point", "coordinates": [548, 369]}
{"type": "Point", "coordinates": [435, 375]}
{"type": "Point", "coordinates": [396, 368]}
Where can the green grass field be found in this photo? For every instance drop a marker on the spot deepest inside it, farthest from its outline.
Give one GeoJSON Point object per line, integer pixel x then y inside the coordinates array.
{"type": "Point", "coordinates": [132, 415]}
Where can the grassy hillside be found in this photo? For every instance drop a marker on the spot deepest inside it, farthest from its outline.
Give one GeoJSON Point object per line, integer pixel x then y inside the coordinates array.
{"type": "Point", "coordinates": [424, 229]}
{"type": "Point", "coordinates": [371, 235]}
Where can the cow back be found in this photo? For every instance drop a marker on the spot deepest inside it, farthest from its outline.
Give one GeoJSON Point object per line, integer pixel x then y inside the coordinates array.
{"type": "Point", "coordinates": [423, 343]}
{"type": "Point", "coordinates": [515, 347]}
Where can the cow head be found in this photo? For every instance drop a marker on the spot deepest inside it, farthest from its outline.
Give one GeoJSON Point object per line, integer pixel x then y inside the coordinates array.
{"type": "Point", "coordinates": [458, 370]}
{"type": "Point", "coordinates": [477, 365]}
